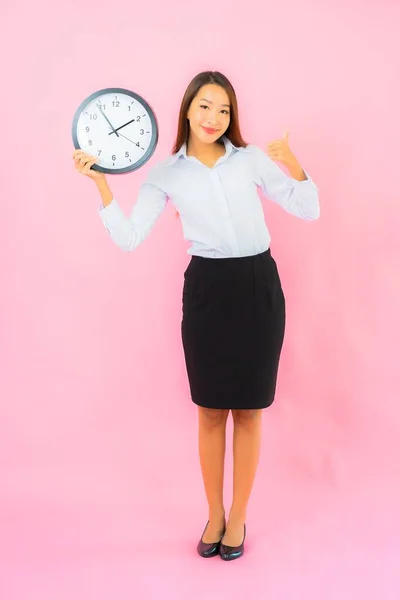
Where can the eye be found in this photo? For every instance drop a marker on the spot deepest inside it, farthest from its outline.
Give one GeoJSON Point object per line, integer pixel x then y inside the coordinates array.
{"type": "Point", "coordinates": [224, 111]}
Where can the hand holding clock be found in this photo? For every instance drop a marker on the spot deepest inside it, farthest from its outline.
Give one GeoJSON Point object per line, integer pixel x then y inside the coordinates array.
{"type": "Point", "coordinates": [84, 162]}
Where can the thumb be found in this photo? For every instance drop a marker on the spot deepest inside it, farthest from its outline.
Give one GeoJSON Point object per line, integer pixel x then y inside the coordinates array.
{"type": "Point", "coordinates": [286, 136]}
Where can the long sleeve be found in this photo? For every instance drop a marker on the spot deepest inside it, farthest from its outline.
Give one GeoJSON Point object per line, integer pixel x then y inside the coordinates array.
{"type": "Point", "coordinates": [299, 198]}
{"type": "Point", "coordinates": [129, 232]}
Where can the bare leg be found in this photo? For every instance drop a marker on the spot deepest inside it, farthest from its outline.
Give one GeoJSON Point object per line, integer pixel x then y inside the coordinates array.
{"type": "Point", "coordinates": [246, 452]}
{"type": "Point", "coordinates": [212, 444]}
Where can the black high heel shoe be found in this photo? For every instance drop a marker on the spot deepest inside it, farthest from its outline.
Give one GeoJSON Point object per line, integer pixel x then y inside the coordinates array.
{"type": "Point", "coordinates": [232, 552]}
{"type": "Point", "coordinates": [212, 549]}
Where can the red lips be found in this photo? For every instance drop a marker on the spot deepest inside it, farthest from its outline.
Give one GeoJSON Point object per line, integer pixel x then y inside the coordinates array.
{"type": "Point", "coordinates": [210, 131]}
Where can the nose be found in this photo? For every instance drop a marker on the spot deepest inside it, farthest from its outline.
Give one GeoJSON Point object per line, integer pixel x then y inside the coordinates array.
{"type": "Point", "coordinates": [212, 119]}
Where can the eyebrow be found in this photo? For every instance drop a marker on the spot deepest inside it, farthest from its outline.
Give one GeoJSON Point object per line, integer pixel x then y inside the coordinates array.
{"type": "Point", "coordinates": [209, 102]}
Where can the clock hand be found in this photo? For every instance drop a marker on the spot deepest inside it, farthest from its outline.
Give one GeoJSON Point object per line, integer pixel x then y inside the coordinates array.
{"type": "Point", "coordinates": [118, 128]}
{"type": "Point", "coordinates": [108, 121]}
{"type": "Point", "coordinates": [124, 136]}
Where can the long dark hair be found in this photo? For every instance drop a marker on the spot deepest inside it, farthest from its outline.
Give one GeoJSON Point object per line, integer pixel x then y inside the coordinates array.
{"type": "Point", "coordinates": [233, 131]}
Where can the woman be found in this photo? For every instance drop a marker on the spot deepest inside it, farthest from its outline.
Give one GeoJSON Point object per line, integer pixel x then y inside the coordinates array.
{"type": "Point", "coordinates": [233, 306]}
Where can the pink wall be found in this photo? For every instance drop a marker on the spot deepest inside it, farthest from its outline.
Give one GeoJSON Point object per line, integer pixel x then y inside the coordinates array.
{"type": "Point", "coordinates": [100, 487]}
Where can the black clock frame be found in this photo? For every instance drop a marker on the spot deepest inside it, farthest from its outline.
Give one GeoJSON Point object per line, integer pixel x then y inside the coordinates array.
{"type": "Point", "coordinates": [154, 137]}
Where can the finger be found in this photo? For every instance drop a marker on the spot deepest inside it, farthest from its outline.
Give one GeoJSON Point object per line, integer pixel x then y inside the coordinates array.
{"type": "Point", "coordinates": [90, 162]}
{"type": "Point", "coordinates": [78, 163]}
{"type": "Point", "coordinates": [77, 152]}
{"type": "Point", "coordinates": [275, 155]}
{"type": "Point", "coordinates": [85, 159]}
{"type": "Point", "coordinates": [78, 157]}
{"type": "Point", "coordinates": [82, 155]}
{"type": "Point", "coordinates": [276, 143]}
{"type": "Point", "coordinates": [89, 165]}
{"type": "Point", "coordinates": [81, 164]}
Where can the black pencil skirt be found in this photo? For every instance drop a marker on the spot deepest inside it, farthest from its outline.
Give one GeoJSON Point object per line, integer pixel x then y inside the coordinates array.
{"type": "Point", "coordinates": [233, 324]}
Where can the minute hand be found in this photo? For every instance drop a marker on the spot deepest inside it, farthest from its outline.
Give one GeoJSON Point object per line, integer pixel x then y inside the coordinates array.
{"type": "Point", "coordinates": [118, 128]}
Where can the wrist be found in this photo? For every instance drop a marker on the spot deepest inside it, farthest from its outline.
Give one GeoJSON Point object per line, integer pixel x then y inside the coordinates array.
{"type": "Point", "coordinates": [296, 170]}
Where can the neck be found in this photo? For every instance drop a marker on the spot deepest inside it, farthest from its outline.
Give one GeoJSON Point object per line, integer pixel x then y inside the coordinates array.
{"type": "Point", "coordinates": [197, 147]}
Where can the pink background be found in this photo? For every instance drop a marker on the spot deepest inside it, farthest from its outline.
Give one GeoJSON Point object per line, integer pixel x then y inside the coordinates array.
{"type": "Point", "coordinates": [100, 486]}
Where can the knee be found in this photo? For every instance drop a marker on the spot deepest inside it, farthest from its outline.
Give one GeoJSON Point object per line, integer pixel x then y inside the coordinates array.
{"type": "Point", "coordinates": [246, 418]}
{"type": "Point", "coordinates": [213, 417]}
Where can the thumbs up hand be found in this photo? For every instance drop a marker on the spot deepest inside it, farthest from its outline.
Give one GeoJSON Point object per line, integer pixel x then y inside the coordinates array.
{"type": "Point", "coordinates": [280, 150]}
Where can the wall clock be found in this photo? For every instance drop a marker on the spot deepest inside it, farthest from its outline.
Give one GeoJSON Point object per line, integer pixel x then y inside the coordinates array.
{"type": "Point", "coordinates": [119, 127]}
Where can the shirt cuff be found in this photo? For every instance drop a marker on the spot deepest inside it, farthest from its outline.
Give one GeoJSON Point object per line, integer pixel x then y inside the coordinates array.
{"type": "Point", "coordinates": [307, 181]}
{"type": "Point", "coordinates": [111, 215]}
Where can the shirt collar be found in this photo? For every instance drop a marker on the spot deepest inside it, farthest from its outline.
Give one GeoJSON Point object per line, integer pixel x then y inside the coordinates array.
{"type": "Point", "coordinates": [182, 151]}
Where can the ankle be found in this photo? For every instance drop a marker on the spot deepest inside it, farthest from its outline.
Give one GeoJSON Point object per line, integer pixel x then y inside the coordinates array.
{"type": "Point", "coordinates": [236, 516]}
{"type": "Point", "coordinates": [216, 513]}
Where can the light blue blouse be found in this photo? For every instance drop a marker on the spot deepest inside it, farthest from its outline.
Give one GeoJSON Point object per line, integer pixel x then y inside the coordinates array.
{"type": "Point", "coordinates": [220, 209]}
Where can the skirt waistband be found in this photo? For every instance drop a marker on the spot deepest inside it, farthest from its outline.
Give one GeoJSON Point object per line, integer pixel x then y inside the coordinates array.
{"type": "Point", "coordinates": [218, 267]}
{"type": "Point", "coordinates": [231, 259]}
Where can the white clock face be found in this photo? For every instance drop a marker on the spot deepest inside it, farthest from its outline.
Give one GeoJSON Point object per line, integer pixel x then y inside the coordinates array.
{"type": "Point", "coordinates": [119, 127]}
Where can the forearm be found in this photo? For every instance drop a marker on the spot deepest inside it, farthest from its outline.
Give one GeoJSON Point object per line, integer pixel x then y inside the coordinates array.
{"type": "Point", "coordinates": [105, 192]}
{"type": "Point", "coordinates": [296, 171]}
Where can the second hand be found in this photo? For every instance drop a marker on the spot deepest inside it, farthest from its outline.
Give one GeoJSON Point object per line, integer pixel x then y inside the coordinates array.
{"type": "Point", "coordinates": [124, 136]}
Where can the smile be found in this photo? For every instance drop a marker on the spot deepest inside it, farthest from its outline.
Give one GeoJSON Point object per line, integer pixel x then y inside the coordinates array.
{"type": "Point", "coordinates": [208, 130]}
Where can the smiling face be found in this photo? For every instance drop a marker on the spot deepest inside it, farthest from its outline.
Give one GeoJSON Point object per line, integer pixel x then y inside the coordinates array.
{"type": "Point", "coordinates": [209, 113]}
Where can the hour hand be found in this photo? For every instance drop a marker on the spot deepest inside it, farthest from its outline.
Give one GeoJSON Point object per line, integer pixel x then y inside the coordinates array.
{"type": "Point", "coordinates": [108, 120]}
{"type": "Point", "coordinates": [124, 125]}
{"type": "Point", "coordinates": [126, 138]}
